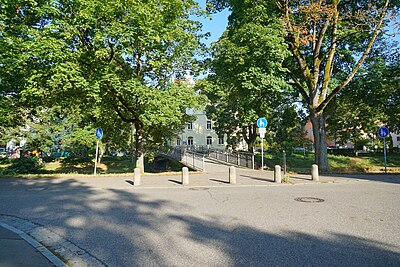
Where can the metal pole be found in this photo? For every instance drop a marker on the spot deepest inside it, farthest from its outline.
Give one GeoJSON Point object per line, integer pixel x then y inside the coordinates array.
{"type": "Point", "coordinates": [284, 163]}
{"type": "Point", "coordinates": [384, 153]}
{"type": "Point", "coordinates": [262, 154]}
{"type": "Point", "coordinates": [95, 160]}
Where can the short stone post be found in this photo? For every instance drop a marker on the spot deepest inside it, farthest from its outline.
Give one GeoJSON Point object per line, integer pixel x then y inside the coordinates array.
{"type": "Point", "coordinates": [232, 175]}
{"type": "Point", "coordinates": [137, 177]}
{"type": "Point", "coordinates": [314, 173]}
{"type": "Point", "coordinates": [277, 174]}
{"type": "Point", "coordinates": [185, 176]}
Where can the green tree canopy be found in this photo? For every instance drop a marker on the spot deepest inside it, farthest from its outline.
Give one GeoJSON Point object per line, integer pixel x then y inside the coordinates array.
{"type": "Point", "coordinates": [104, 58]}
{"type": "Point", "coordinates": [247, 80]}
{"type": "Point", "coordinates": [370, 100]}
{"type": "Point", "coordinates": [329, 41]}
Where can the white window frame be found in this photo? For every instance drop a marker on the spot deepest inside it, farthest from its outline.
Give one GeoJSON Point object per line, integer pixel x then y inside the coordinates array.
{"type": "Point", "coordinates": [209, 140]}
{"type": "Point", "coordinates": [209, 125]}
{"type": "Point", "coordinates": [190, 140]}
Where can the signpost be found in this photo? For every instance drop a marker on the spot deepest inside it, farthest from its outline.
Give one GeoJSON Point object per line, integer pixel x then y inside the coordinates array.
{"type": "Point", "coordinates": [262, 123]}
{"type": "Point", "coordinates": [99, 134]}
{"type": "Point", "coordinates": [383, 132]}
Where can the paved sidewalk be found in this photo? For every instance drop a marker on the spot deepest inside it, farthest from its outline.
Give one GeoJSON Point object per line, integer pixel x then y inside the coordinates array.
{"type": "Point", "coordinates": [15, 251]}
{"type": "Point", "coordinates": [217, 174]}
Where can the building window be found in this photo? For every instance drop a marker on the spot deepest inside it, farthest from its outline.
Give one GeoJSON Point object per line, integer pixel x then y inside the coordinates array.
{"type": "Point", "coordinates": [178, 142]}
{"type": "Point", "coordinates": [190, 141]}
{"type": "Point", "coordinates": [209, 140]}
{"type": "Point", "coordinates": [190, 126]}
{"type": "Point", "coordinates": [220, 140]}
{"type": "Point", "coordinates": [209, 125]}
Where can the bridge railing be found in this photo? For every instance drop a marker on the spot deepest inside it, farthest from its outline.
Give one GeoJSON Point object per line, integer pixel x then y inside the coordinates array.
{"type": "Point", "coordinates": [189, 158]}
{"type": "Point", "coordinates": [195, 158]}
{"type": "Point", "coordinates": [243, 159]}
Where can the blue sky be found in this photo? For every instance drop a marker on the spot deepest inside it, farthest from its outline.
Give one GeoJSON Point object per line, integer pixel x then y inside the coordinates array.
{"type": "Point", "coordinates": [216, 25]}
{"type": "Point", "coordinates": [219, 22]}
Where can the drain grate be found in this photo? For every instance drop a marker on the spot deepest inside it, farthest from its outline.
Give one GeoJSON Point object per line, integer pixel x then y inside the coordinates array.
{"type": "Point", "coordinates": [309, 199]}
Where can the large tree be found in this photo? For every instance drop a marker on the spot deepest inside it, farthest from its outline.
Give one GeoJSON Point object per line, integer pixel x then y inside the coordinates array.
{"type": "Point", "coordinates": [371, 99]}
{"type": "Point", "coordinates": [106, 58]}
{"type": "Point", "coordinates": [329, 41]}
{"type": "Point", "coordinates": [247, 74]}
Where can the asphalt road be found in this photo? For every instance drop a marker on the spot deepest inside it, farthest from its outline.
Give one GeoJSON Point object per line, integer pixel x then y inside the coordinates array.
{"type": "Point", "coordinates": [357, 223]}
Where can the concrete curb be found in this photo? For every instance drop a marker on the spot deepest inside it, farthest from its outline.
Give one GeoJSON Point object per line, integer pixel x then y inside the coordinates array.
{"type": "Point", "coordinates": [39, 247]}
{"type": "Point", "coordinates": [40, 237]}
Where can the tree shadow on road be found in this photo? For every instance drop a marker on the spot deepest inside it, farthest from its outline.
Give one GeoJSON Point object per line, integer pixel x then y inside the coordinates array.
{"type": "Point", "coordinates": [124, 227]}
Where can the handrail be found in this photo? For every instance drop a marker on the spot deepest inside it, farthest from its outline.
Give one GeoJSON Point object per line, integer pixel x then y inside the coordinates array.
{"type": "Point", "coordinates": [189, 158]}
{"type": "Point", "coordinates": [195, 160]}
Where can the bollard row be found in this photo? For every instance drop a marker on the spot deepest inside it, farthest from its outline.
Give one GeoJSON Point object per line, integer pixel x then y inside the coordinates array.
{"type": "Point", "coordinates": [231, 177]}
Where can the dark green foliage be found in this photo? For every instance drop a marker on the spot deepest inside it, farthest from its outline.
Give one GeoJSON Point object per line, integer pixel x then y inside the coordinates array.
{"type": "Point", "coordinates": [248, 75]}
{"type": "Point", "coordinates": [25, 165]}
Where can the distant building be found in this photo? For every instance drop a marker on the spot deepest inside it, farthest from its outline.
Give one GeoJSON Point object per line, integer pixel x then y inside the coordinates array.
{"type": "Point", "coordinates": [199, 133]}
{"type": "Point", "coordinates": [396, 140]}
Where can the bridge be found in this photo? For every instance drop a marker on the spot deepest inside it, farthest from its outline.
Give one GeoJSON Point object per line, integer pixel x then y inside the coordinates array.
{"type": "Point", "coordinates": [212, 169]}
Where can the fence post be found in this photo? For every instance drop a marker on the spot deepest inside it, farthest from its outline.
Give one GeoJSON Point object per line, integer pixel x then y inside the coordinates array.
{"type": "Point", "coordinates": [252, 161]}
{"type": "Point", "coordinates": [238, 159]}
{"type": "Point", "coordinates": [185, 176]}
{"type": "Point", "coordinates": [277, 174]}
{"type": "Point", "coordinates": [203, 164]}
{"type": "Point", "coordinates": [232, 175]}
{"type": "Point", "coordinates": [314, 172]}
{"type": "Point", "coordinates": [193, 159]}
{"type": "Point", "coordinates": [136, 177]}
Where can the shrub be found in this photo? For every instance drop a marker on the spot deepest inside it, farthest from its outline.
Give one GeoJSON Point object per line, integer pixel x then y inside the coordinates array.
{"type": "Point", "coordinates": [25, 165]}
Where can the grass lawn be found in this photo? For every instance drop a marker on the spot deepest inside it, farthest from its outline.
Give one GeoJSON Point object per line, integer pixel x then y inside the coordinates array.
{"type": "Point", "coordinates": [108, 165]}
{"type": "Point", "coordinates": [296, 163]}
{"type": "Point", "coordinates": [337, 164]}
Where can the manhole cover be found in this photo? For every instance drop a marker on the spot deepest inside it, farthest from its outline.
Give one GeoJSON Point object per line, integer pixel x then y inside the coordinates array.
{"type": "Point", "coordinates": [309, 199]}
{"type": "Point", "coordinates": [37, 189]}
{"type": "Point", "coordinates": [199, 188]}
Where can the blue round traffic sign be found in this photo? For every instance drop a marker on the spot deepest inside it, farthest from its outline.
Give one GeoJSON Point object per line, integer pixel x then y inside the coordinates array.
{"type": "Point", "coordinates": [262, 122]}
{"type": "Point", "coordinates": [383, 132]}
{"type": "Point", "coordinates": [99, 133]}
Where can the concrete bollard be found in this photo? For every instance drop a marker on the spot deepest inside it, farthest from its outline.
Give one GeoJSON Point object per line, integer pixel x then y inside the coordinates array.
{"type": "Point", "coordinates": [314, 173]}
{"type": "Point", "coordinates": [277, 174]}
{"type": "Point", "coordinates": [232, 175]}
{"type": "Point", "coordinates": [185, 176]}
{"type": "Point", "coordinates": [137, 177]}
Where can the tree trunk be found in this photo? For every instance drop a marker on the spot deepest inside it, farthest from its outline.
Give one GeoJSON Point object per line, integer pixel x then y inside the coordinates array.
{"type": "Point", "coordinates": [139, 153]}
{"type": "Point", "coordinates": [319, 133]}
{"type": "Point", "coordinates": [250, 137]}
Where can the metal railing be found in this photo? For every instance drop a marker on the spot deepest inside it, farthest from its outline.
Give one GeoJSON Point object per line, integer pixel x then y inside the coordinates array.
{"type": "Point", "coordinates": [243, 159]}
{"type": "Point", "coordinates": [195, 158]}
{"type": "Point", "coordinates": [189, 158]}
